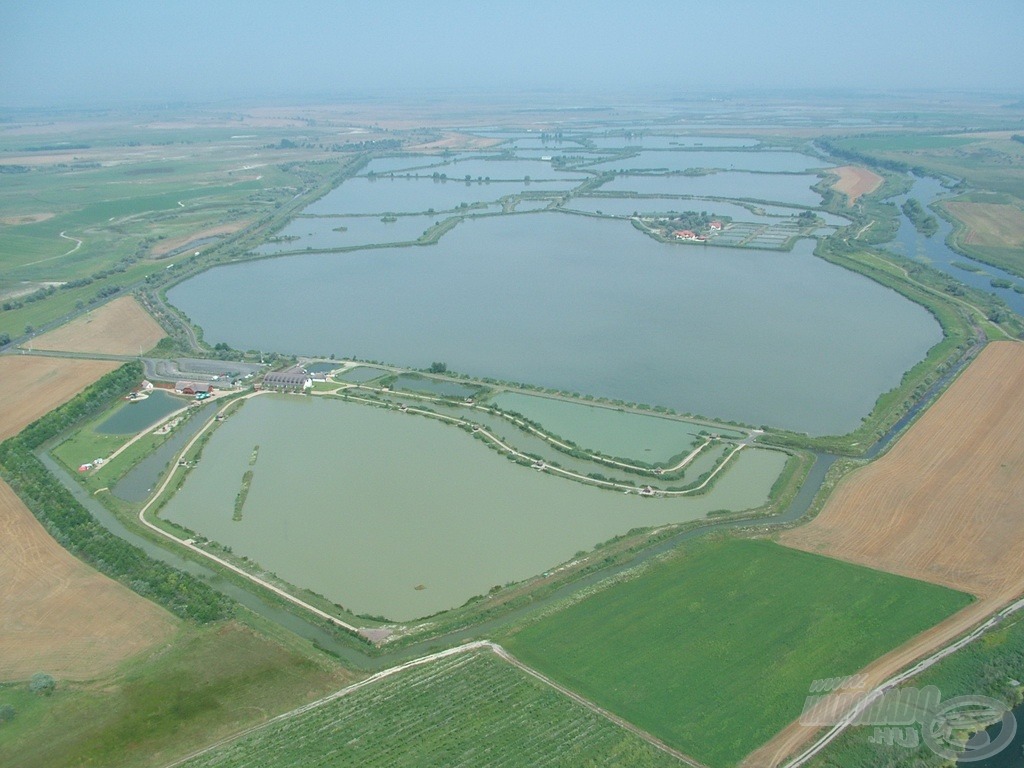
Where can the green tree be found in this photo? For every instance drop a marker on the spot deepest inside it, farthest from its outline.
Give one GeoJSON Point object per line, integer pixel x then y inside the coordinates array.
{"type": "Point", "coordinates": [7, 713]}
{"type": "Point", "coordinates": [42, 683]}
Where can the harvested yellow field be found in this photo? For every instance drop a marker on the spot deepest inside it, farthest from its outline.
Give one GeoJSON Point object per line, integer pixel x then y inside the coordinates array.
{"type": "Point", "coordinates": [121, 327]}
{"type": "Point", "coordinates": [855, 181]}
{"type": "Point", "coordinates": [32, 386]}
{"type": "Point", "coordinates": [57, 614]}
{"type": "Point", "coordinates": [990, 224]}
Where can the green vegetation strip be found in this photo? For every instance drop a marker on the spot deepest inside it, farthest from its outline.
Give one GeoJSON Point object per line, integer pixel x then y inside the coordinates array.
{"type": "Point", "coordinates": [714, 649]}
{"type": "Point", "coordinates": [467, 710]}
{"type": "Point", "coordinates": [923, 221]}
{"type": "Point", "coordinates": [76, 530]}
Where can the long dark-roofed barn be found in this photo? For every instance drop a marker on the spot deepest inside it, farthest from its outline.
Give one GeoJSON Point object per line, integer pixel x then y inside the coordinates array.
{"type": "Point", "coordinates": [295, 379]}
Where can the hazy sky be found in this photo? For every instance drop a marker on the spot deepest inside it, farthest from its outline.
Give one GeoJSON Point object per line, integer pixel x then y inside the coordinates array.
{"type": "Point", "coordinates": [79, 52]}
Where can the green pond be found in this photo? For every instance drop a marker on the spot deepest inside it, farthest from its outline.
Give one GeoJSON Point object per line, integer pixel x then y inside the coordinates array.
{"type": "Point", "coordinates": [360, 374]}
{"type": "Point", "coordinates": [438, 387]}
{"type": "Point", "coordinates": [593, 306]}
{"type": "Point", "coordinates": [130, 418]}
{"type": "Point", "coordinates": [650, 439]}
{"type": "Point", "coordinates": [398, 515]}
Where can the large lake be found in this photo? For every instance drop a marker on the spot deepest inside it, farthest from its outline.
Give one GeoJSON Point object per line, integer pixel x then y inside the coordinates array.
{"type": "Point", "coordinates": [365, 505]}
{"type": "Point", "coordinates": [589, 305]}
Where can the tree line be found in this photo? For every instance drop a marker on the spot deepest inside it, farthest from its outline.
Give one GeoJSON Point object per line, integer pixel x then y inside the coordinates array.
{"type": "Point", "coordinates": [78, 531]}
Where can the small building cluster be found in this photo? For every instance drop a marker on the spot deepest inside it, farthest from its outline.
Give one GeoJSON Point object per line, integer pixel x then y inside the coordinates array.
{"type": "Point", "coordinates": [294, 379]}
{"type": "Point", "coordinates": [91, 464]}
{"type": "Point", "coordinates": [689, 234]}
{"type": "Point", "coordinates": [192, 388]}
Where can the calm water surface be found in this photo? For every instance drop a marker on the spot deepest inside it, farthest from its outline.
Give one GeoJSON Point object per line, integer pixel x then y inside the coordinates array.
{"type": "Point", "coordinates": [365, 505]}
{"type": "Point", "coordinates": [135, 417]}
{"type": "Point", "coordinates": [609, 431]}
{"type": "Point", "coordinates": [591, 306]}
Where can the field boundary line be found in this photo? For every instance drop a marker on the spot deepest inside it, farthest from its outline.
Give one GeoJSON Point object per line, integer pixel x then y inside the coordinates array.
{"type": "Point", "coordinates": [636, 730]}
{"type": "Point", "coordinates": [898, 679]}
{"type": "Point", "coordinates": [458, 650]}
{"type": "Point", "coordinates": [383, 674]}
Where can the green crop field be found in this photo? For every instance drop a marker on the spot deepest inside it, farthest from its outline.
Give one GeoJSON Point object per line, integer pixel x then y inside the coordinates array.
{"type": "Point", "coordinates": [714, 649]}
{"type": "Point", "coordinates": [467, 710]}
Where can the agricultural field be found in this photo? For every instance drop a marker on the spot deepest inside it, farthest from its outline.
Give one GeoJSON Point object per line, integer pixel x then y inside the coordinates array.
{"type": "Point", "coordinates": [713, 649]}
{"type": "Point", "coordinates": [32, 386]}
{"type": "Point", "coordinates": [58, 614]}
{"type": "Point", "coordinates": [121, 327]}
{"type": "Point", "coordinates": [110, 204]}
{"type": "Point", "coordinates": [945, 500]}
{"type": "Point", "coordinates": [855, 181]}
{"type": "Point", "coordinates": [467, 710]}
{"type": "Point", "coordinates": [205, 684]}
{"type": "Point", "coordinates": [993, 225]}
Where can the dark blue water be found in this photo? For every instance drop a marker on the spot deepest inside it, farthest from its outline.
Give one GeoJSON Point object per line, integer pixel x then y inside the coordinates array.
{"type": "Point", "coordinates": [1010, 757]}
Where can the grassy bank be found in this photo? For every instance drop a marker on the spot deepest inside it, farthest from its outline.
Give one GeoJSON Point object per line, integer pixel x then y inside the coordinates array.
{"type": "Point", "coordinates": [207, 683]}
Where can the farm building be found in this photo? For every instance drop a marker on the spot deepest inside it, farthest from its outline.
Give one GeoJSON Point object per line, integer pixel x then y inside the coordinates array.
{"type": "Point", "coordinates": [291, 379]}
{"type": "Point", "coordinates": [191, 387]}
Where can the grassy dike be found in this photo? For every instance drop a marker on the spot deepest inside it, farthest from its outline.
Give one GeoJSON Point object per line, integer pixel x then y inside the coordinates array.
{"type": "Point", "coordinates": [963, 316]}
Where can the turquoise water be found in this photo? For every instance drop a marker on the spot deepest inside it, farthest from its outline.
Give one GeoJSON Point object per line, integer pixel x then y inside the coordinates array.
{"type": "Point", "coordinates": [365, 505]}
{"type": "Point", "coordinates": [360, 374]}
{"type": "Point", "coordinates": [135, 417]}
{"type": "Point", "coordinates": [649, 439]}
{"type": "Point", "coordinates": [434, 387]}
{"type": "Point", "coordinates": [591, 306]}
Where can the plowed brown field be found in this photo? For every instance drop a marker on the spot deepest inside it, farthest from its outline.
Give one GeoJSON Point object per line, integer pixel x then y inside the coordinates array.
{"type": "Point", "coordinates": [33, 386]}
{"type": "Point", "coordinates": [944, 505]}
{"type": "Point", "coordinates": [57, 614]}
{"type": "Point", "coordinates": [121, 327]}
{"type": "Point", "coordinates": [854, 182]}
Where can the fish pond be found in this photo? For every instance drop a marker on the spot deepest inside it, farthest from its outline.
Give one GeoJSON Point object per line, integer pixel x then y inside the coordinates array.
{"type": "Point", "coordinates": [610, 431]}
{"type": "Point", "coordinates": [133, 417]}
{"type": "Point", "coordinates": [398, 515]}
{"type": "Point", "coordinates": [593, 306]}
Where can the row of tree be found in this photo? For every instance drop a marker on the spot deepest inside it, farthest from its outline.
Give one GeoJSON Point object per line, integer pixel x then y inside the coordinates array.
{"type": "Point", "coordinates": [78, 531]}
